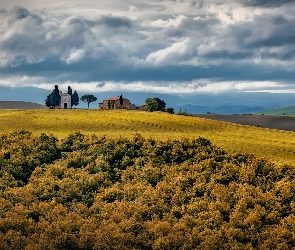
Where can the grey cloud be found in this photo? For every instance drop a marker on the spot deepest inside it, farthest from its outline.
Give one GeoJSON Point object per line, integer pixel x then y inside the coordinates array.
{"type": "Point", "coordinates": [197, 29]}
{"type": "Point", "coordinates": [116, 22]}
{"type": "Point", "coordinates": [2, 10]}
{"type": "Point", "coordinates": [19, 13]}
{"type": "Point", "coordinates": [271, 30]}
{"type": "Point", "coordinates": [112, 47]}
{"type": "Point", "coordinates": [266, 3]}
{"type": "Point", "coordinates": [267, 36]}
{"type": "Point", "coordinates": [226, 54]}
{"type": "Point", "coordinates": [35, 39]}
{"type": "Point", "coordinates": [196, 3]}
{"type": "Point", "coordinates": [100, 85]}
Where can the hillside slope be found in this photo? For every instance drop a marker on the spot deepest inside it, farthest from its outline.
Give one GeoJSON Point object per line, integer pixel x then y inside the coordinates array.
{"type": "Point", "coordinates": [290, 110]}
{"type": "Point", "coordinates": [273, 144]}
{"type": "Point", "coordinates": [282, 122]}
{"type": "Point", "coordinates": [20, 105]}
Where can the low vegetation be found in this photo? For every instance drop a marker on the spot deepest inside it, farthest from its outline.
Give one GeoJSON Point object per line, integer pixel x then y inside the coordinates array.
{"type": "Point", "coordinates": [97, 192]}
{"type": "Point", "coordinates": [273, 144]}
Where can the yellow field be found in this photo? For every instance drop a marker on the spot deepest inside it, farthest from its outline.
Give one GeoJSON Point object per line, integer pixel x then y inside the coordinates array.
{"type": "Point", "coordinates": [278, 146]}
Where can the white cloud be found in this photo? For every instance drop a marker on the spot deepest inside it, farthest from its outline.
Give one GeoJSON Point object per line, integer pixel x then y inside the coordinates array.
{"type": "Point", "coordinates": [132, 8]}
{"type": "Point", "coordinates": [171, 55]}
{"type": "Point", "coordinates": [170, 22]}
{"type": "Point", "coordinates": [184, 87]}
{"type": "Point", "coordinates": [76, 56]}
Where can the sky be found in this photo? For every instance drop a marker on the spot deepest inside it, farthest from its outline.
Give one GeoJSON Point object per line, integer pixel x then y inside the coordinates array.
{"type": "Point", "coordinates": [161, 46]}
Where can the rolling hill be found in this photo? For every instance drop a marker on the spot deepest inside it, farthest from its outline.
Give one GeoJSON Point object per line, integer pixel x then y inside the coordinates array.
{"type": "Point", "coordinates": [289, 110]}
{"type": "Point", "coordinates": [276, 145]}
{"type": "Point", "coordinates": [20, 105]}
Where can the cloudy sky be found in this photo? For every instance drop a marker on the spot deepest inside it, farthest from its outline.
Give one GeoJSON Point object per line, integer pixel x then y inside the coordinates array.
{"type": "Point", "coordinates": [164, 46]}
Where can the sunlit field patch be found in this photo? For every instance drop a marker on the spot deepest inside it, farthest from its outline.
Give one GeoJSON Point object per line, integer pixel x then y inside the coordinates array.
{"type": "Point", "coordinates": [276, 145]}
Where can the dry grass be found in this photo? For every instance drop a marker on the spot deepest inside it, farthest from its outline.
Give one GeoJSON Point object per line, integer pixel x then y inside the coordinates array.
{"type": "Point", "coordinates": [273, 144]}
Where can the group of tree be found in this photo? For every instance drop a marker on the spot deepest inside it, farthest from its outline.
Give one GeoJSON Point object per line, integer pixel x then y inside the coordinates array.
{"type": "Point", "coordinates": [156, 104]}
{"type": "Point", "coordinates": [88, 192]}
{"type": "Point", "coordinates": [53, 99]}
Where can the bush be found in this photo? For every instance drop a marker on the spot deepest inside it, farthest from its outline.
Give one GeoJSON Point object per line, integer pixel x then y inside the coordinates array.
{"type": "Point", "coordinates": [170, 110]}
{"type": "Point", "coordinates": [182, 112]}
{"type": "Point", "coordinates": [108, 193]}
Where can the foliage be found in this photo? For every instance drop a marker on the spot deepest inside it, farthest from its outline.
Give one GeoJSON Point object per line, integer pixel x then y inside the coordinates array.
{"type": "Point", "coordinates": [170, 110]}
{"type": "Point", "coordinates": [75, 99]}
{"type": "Point", "coordinates": [111, 104]}
{"type": "Point", "coordinates": [118, 193]}
{"type": "Point", "coordinates": [121, 100]}
{"type": "Point", "coordinates": [182, 112]}
{"type": "Point", "coordinates": [70, 91]}
{"type": "Point", "coordinates": [88, 99]}
{"type": "Point", "coordinates": [21, 153]}
{"type": "Point", "coordinates": [161, 104]}
{"type": "Point", "coordinates": [53, 99]}
{"type": "Point", "coordinates": [151, 105]}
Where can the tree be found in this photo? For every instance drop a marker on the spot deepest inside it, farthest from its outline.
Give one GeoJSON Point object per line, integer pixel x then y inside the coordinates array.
{"type": "Point", "coordinates": [53, 99]}
{"type": "Point", "coordinates": [70, 91]}
{"type": "Point", "coordinates": [48, 101]}
{"type": "Point", "coordinates": [161, 104]}
{"type": "Point", "coordinates": [75, 99]}
{"type": "Point", "coordinates": [88, 99]}
{"type": "Point", "coordinates": [170, 110]}
{"type": "Point", "coordinates": [55, 96]}
{"type": "Point", "coordinates": [151, 104]}
{"type": "Point", "coordinates": [121, 100]}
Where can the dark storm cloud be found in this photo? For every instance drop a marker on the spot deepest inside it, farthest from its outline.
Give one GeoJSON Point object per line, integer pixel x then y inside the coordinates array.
{"type": "Point", "coordinates": [268, 36]}
{"type": "Point", "coordinates": [19, 13]}
{"type": "Point", "coordinates": [266, 3]}
{"type": "Point", "coordinates": [30, 38]}
{"type": "Point", "coordinates": [116, 22]}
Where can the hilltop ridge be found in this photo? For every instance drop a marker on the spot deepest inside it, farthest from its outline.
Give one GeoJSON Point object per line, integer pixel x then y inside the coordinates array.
{"type": "Point", "coordinates": [21, 105]}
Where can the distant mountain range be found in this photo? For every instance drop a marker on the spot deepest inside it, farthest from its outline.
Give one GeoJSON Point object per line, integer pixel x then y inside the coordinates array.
{"type": "Point", "coordinates": [225, 103]}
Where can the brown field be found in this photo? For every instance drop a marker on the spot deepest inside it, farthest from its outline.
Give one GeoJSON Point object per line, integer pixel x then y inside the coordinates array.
{"type": "Point", "coordinates": [280, 122]}
{"type": "Point", "coordinates": [20, 105]}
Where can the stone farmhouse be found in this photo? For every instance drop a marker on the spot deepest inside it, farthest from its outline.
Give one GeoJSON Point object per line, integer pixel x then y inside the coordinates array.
{"type": "Point", "coordinates": [117, 103]}
{"type": "Point", "coordinates": [65, 100]}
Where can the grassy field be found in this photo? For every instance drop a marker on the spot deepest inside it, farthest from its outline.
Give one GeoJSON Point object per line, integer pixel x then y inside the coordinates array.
{"type": "Point", "coordinates": [278, 146]}
{"type": "Point", "coordinates": [290, 110]}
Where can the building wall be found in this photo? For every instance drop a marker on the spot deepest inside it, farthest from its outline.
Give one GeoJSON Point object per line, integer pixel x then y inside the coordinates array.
{"type": "Point", "coordinates": [126, 104]}
{"type": "Point", "coordinates": [65, 101]}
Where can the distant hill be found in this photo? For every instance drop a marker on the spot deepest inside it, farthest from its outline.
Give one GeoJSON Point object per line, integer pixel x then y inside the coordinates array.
{"type": "Point", "coordinates": [290, 110]}
{"type": "Point", "coordinates": [20, 105]}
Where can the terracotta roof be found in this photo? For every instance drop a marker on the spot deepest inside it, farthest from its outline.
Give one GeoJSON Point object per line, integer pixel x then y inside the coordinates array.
{"type": "Point", "coordinates": [114, 99]}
